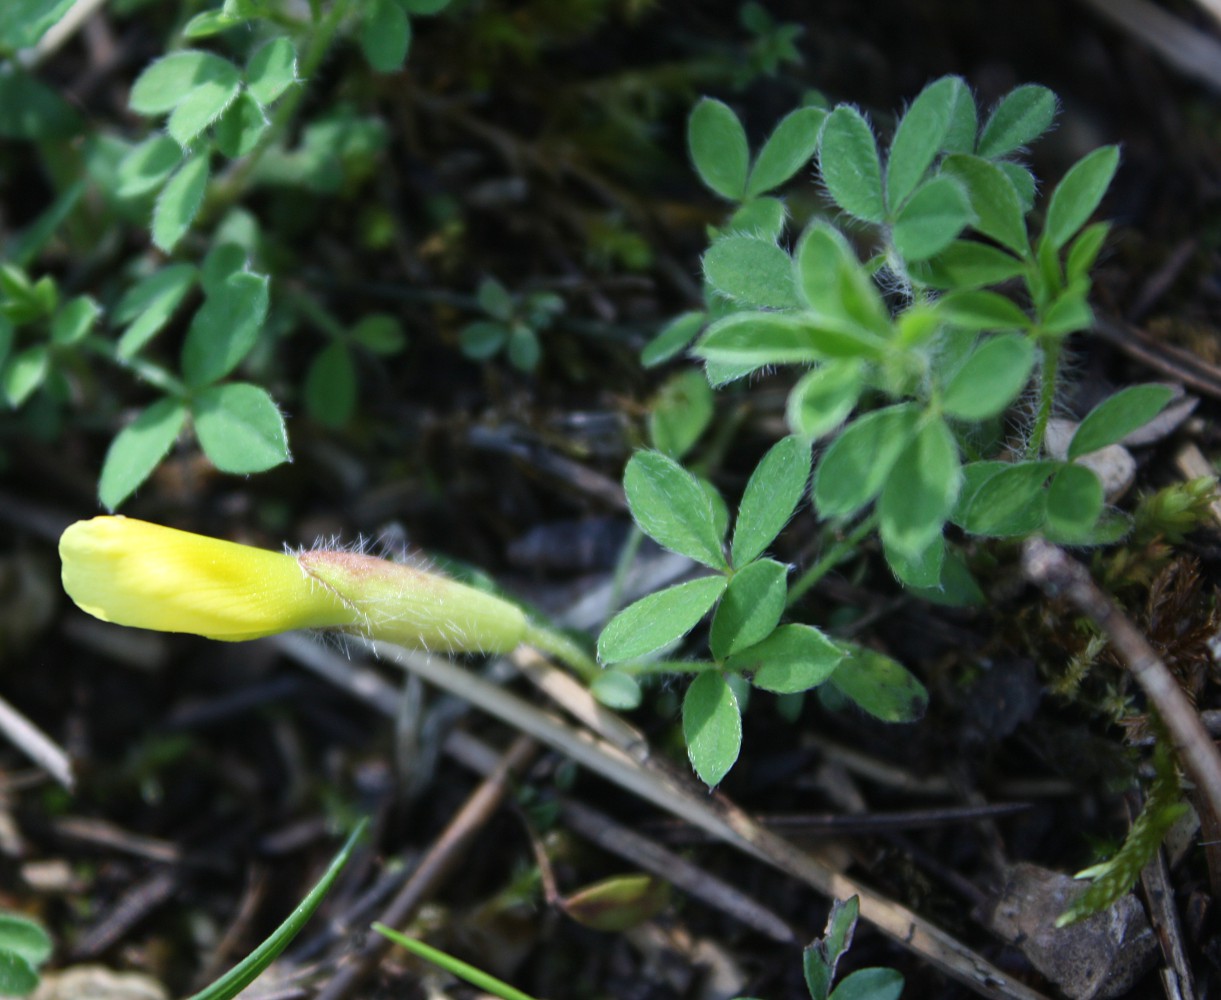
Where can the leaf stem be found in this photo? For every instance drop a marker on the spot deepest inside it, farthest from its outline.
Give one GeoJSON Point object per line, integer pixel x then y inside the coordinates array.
{"type": "Point", "coordinates": [1047, 395]}
{"type": "Point", "coordinates": [563, 649]}
{"type": "Point", "coordinates": [832, 557]}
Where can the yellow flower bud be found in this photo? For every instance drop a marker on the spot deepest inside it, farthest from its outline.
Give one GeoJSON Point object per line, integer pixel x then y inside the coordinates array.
{"type": "Point", "coordinates": [140, 574]}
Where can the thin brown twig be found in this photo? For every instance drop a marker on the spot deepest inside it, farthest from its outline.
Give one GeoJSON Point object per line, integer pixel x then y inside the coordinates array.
{"type": "Point", "coordinates": [1051, 568]}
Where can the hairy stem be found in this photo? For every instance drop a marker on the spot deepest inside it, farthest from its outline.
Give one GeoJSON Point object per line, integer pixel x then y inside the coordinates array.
{"type": "Point", "coordinates": [1047, 395]}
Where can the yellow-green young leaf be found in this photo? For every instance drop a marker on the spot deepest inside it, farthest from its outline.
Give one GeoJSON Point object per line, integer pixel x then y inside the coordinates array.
{"type": "Point", "coordinates": [879, 685]}
{"type": "Point", "coordinates": [750, 608]}
{"type": "Point", "coordinates": [680, 412]}
{"type": "Point", "coordinates": [994, 200]}
{"type": "Point", "coordinates": [751, 271]}
{"type": "Point", "coordinates": [330, 386]}
{"type": "Point", "coordinates": [272, 69]}
{"type": "Point", "coordinates": [931, 218]}
{"type": "Point", "coordinates": [967, 264]}
{"type": "Point", "coordinates": [718, 148]}
{"type": "Point", "coordinates": [617, 690]}
{"type": "Point", "coordinates": [1022, 116]}
{"type": "Point", "coordinates": [74, 320]}
{"type": "Point", "coordinates": [179, 202]}
{"type": "Point", "coordinates": [658, 620]}
{"type": "Point", "coordinates": [148, 305]}
{"type": "Point", "coordinates": [138, 449]}
{"type": "Point", "coordinates": [1070, 312]}
{"type": "Point", "coordinates": [787, 150]}
{"type": "Point", "coordinates": [167, 82]}
{"type": "Point", "coordinates": [750, 340]}
{"type": "Point", "coordinates": [1074, 504]}
{"type": "Point", "coordinates": [919, 137]}
{"type": "Point", "coordinates": [793, 658]}
{"type": "Point", "coordinates": [990, 379]}
{"type": "Point", "coordinates": [920, 490]}
{"type": "Point", "coordinates": [848, 162]}
{"type": "Point", "coordinates": [618, 903]}
{"type": "Point", "coordinates": [241, 127]}
{"type": "Point", "coordinates": [1084, 251]}
{"type": "Point", "coordinates": [712, 727]}
{"type": "Point", "coordinates": [240, 428]}
{"type": "Point", "coordinates": [1078, 194]}
{"type": "Point", "coordinates": [835, 286]}
{"type": "Point", "coordinates": [225, 328]}
{"type": "Point", "coordinates": [673, 338]}
{"type": "Point", "coordinates": [385, 35]}
{"type": "Point", "coordinates": [772, 493]}
{"type": "Point", "coordinates": [146, 166]}
{"type": "Point", "coordinates": [1009, 502]}
{"type": "Point", "coordinates": [978, 309]}
{"type": "Point", "coordinates": [672, 508]}
{"type": "Point", "coordinates": [854, 468]}
{"type": "Point", "coordinates": [823, 398]}
{"type": "Point", "coordinates": [1115, 418]}
{"type": "Point", "coordinates": [24, 373]}
{"type": "Point", "coordinates": [918, 571]}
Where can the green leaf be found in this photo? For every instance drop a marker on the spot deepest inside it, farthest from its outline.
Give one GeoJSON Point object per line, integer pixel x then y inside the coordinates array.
{"type": "Point", "coordinates": [1115, 418]}
{"type": "Point", "coordinates": [931, 218]}
{"type": "Point", "coordinates": [879, 685]}
{"type": "Point", "coordinates": [955, 588]}
{"type": "Point", "coordinates": [271, 70]}
{"type": "Point", "coordinates": [138, 449]}
{"type": "Point", "coordinates": [751, 271]}
{"type": "Point", "coordinates": [820, 957]}
{"type": "Point", "coordinates": [920, 490]}
{"type": "Point", "coordinates": [148, 305]}
{"type": "Point", "coordinates": [853, 470]}
{"type": "Point", "coordinates": [225, 328]}
{"type": "Point", "coordinates": [241, 127]}
{"type": "Point", "coordinates": [680, 413]}
{"type": "Point", "coordinates": [1023, 182]}
{"type": "Point", "coordinates": [330, 386]}
{"type": "Point", "coordinates": [1074, 504]}
{"type": "Point", "coordinates": [179, 202]}
{"type": "Point", "coordinates": [18, 977]}
{"type": "Point", "coordinates": [380, 334]}
{"type": "Point", "coordinates": [749, 340]}
{"type": "Point", "coordinates": [1069, 313]}
{"type": "Point", "coordinates": [1010, 501]}
{"type": "Point", "coordinates": [919, 137]}
{"type": "Point", "coordinates": [8, 334]}
{"type": "Point", "coordinates": [1084, 251]}
{"type": "Point", "coordinates": [146, 166]}
{"type": "Point", "coordinates": [762, 218]}
{"type": "Point", "coordinates": [486, 984]}
{"type": "Point", "coordinates": [837, 288]}
{"type": "Point", "coordinates": [658, 620]}
{"type": "Point", "coordinates": [74, 320]}
{"type": "Point", "coordinates": [1078, 194]}
{"type": "Point", "coordinates": [617, 690]}
{"type": "Point", "coordinates": [750, 608]}
{"type": "Point", "coordinates": [223, 261]}
{"type": "Point", "coordinates": [965, 264]}
{"type": "Point", "coordinates": [25, 937]}
{"type": "Point", "coordinates": [24, 374]}
{"type": "Point", "coordinates": [787, 150]}
{"type": "Point", "coordinates": [771, 496]}
{"type": "Point", "coordinates": [24, 22]}
{"type": "Point", "coordinates": [240, 428]}
{"type": "Point", "coordinates": [964, 122]}
{"type": "Point", "coordinates": [848, 162]}
{"type": "Point", "coordinates": [918, 570]}
{"type": "Point", "coordinates": [673, 338]}
{"type": "Point", "coordinates": [672, 508]}
{"type": "Point", "coordinates": [718, 148]}
{"type": "Point", "coordinates": [991, 378]}
{"type": "Point", "coordinates": [202, 107]}
{"type": "Point", "coordinates": [495, 300]}
{"type": "Point", "coordinates": [252, 966]}
{"type": "Point", "coordinates": [424, 7]}
{"type": "Point", "coordinates": [995, 203]}
{"type": "Point", "coordinates": [1021, 117]}
{"type": "Point", "coordinates": [209, 23]}
{"type": "Point", "coordinates": [385, 35]}
{"type": "Point", "coordinates": [870, 984]}
{"type": "Point", "coordinates": [481, 340]}
{"type": "Point", "coordinates": [982, 310]}
{"type": "Point", "coordinates": [823, 398]}
{"type": "Point", "coordinates": [167, 82]}
{"type": "Point", "coordinates": [793, 658]}
{"type": "Point", "coordinates": [524, 349]}
{"type": "Point", "coordinates": [712, 727]}
{"type": "Point", "coordinates": [31, 111]}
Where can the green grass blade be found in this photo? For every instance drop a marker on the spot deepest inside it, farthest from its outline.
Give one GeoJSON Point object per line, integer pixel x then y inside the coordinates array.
{"type": "Point", "coordinates": [251, 967]}
{"type": "Point", "coordinates": [476, 977]}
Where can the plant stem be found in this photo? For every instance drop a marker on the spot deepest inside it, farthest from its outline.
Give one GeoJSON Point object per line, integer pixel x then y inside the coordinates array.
{"type": "Point", "coordinates": [563, 649]}
{"type": "Point", "coordinates": [667, 667]}
{"type": "Point", "coordinates": [1047, 395]}
{"type": "Point", "coordinates": [831, 558]}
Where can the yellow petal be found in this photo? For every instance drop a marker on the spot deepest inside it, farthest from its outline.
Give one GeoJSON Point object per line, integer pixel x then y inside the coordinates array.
{"type": "Point", "coordinates": [135, 573]}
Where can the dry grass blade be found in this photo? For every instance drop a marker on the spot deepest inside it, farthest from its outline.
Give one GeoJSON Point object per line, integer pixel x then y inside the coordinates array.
{"type": "Point", "coordinates": [1189, 50]}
